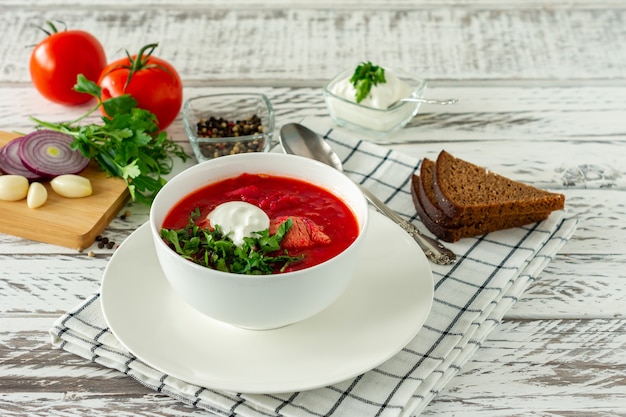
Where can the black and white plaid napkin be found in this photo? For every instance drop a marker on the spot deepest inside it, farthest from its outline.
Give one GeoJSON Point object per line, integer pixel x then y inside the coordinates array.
{"type": "Point", "coordinates": [470, 299]}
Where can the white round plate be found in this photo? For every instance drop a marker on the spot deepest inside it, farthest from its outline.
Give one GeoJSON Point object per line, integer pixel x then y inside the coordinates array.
{"type": "Point", "coordinates": [380, 312]}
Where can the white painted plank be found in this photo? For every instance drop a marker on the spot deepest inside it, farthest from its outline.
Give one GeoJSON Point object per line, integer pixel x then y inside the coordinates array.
{"type": "Point", "coordinates": [294, 44]}
{"type": "Point", "coordinates": [550, 164]}
{"type": "Point", "coordinates": [483, 113]}
{"type": "Point", "coordinates": [544, 368]}
{"type": "Point", "coordinates": [323, 4]}
{"type": "Point", "coordinates": [592, 286]}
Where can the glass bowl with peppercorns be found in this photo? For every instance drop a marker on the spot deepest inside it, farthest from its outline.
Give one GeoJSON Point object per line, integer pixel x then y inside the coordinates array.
{"type": "Point", "coordinates": [228, 124]}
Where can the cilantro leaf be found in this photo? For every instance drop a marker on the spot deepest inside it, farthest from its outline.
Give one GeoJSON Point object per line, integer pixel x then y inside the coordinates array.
{"type": "Point", "coordinates": [366, 75]}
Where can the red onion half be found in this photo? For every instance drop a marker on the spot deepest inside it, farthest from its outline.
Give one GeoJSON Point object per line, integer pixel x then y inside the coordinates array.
{"type": "Point", "coordinates": [49, 154]}
{"type": "Point", "coordinates": [10, 162]}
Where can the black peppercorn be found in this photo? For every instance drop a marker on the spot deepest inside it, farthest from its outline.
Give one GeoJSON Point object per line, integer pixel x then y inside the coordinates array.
{"type": "Point", "coordinates": [213, 127]}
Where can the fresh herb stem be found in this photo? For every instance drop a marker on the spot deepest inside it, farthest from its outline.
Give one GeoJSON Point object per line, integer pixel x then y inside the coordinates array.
{"type": "Point", "coordinates": [128, 143]}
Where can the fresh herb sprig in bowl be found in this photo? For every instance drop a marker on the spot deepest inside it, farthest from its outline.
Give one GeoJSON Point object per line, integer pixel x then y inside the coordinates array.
{"type": "Point", "coordinates": [366, 75]}
{"type": "Point", "coordinates": [128, 143]}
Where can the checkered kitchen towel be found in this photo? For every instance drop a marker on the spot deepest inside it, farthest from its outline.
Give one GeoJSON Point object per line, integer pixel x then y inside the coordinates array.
{"type": "Point", "coordinates": [470, 299]}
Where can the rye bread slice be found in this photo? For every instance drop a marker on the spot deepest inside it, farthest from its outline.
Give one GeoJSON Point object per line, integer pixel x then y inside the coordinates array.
{"type": "Point", "coordinates": [464, 189]}
{"type": "Point", "coordinates": [422, 187]}
{"type": "Point", "coordinates": [453, 234]}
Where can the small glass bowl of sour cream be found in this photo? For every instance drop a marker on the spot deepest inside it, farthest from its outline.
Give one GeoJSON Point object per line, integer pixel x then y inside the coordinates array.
{"type": "Point", "coordinates": [373, 116]}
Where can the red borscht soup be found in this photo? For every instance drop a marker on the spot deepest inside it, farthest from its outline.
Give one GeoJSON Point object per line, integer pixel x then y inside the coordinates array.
{"type": "Point", "coordinates": [322, 224]}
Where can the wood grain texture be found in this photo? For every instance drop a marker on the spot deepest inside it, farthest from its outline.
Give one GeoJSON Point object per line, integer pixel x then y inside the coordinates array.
{"type": "Point", "coordinates": [487, 112]}
{"type": "Point", "coordinates": [255, 44]}
{"type": "Point", "coordinates": [543, 372]}
{"type": "Point", "coordinates": [542, 92]}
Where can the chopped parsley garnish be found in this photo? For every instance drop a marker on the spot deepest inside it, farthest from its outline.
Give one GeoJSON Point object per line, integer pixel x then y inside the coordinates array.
{"type": "Point", "coordinates": [258, 255]}
{"type": "Point", "coordinates": [366, 75]}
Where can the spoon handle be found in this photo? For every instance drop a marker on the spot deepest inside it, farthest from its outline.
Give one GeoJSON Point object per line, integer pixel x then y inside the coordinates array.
{"type": "Point", "coordinates": [432, 248]}
{"type": "Point", "coordinates": [430, 100]}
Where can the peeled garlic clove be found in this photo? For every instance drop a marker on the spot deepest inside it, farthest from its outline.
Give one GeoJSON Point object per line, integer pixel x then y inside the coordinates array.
{"type": "Point", "coordinates": [37, 195]}
{"type": "Point", "coordinates": [71, 186]}
{"type": "Point", "coordinates": [13, 187]}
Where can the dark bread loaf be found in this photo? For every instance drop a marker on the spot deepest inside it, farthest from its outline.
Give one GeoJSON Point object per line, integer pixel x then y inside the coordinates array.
{"type": "Point", "coordinates": [505, 203]}
{"type": "Point", "coordinates": [464, 189]}
{"type": "Point", "coordinates": [454, 233]}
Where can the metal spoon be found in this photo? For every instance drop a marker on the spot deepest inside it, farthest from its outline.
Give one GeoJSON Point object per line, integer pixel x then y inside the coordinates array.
{"type": "Point", "coordinates": [297, 139]}
{"type": "Point", "coordinates": [424, 100]}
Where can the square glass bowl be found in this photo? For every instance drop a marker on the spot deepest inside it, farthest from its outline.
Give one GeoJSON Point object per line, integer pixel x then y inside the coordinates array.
{"type": "Point", "coordinates": [226, 124]}
{"type": "Point", "coordinates": [376, 123]}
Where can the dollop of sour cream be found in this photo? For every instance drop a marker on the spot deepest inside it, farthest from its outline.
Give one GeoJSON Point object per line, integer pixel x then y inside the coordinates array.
{"type": "Point", "coordinates": [381, 96]}
{"type": "Point", "coordinates": [239, 219]}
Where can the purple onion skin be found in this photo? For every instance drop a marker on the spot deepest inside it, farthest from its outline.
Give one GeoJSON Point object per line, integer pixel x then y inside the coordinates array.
{"type": "Point", "coordinates": [10, 162]}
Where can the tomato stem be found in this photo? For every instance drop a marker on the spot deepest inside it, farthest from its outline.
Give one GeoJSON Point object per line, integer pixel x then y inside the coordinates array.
{"type": "Point", "coordinates": [53, 28]}
{"type": "Point", "coordinates": [139, 62]}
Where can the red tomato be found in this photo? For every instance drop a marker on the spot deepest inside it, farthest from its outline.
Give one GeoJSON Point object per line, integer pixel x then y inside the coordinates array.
{"type": "Point", "coordinates": [60, 58]}
{"type": "Point", "coordinates": [152, 81]}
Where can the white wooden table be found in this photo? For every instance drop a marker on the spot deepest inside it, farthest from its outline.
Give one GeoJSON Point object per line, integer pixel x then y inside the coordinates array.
{"type": "Point", "coordinates": [542, 89]}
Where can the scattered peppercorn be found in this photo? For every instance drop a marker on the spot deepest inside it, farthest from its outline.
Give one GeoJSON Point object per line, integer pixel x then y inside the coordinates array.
{"type": "Point", "coordinates": [104, 242]}
{"type": "Point", "coordinates": [214, 128]}
{"type": "Point", "coordinates": [91, 254]}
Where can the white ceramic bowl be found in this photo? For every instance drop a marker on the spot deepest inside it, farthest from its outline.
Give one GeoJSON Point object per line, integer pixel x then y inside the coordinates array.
{"type": "Point", "coordinates": [259, 302]}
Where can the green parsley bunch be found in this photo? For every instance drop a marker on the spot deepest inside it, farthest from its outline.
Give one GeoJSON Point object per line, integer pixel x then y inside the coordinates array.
{"type": "Point", "coordinates": [128, 143]}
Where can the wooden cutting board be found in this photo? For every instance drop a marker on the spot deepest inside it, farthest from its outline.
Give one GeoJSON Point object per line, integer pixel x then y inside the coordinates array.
{"type": "Point", "coordinates": [70, 222]}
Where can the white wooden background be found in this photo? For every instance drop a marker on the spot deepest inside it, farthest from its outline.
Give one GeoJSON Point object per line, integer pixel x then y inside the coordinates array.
{"type": "Point", "coordinates": [542, 89]}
